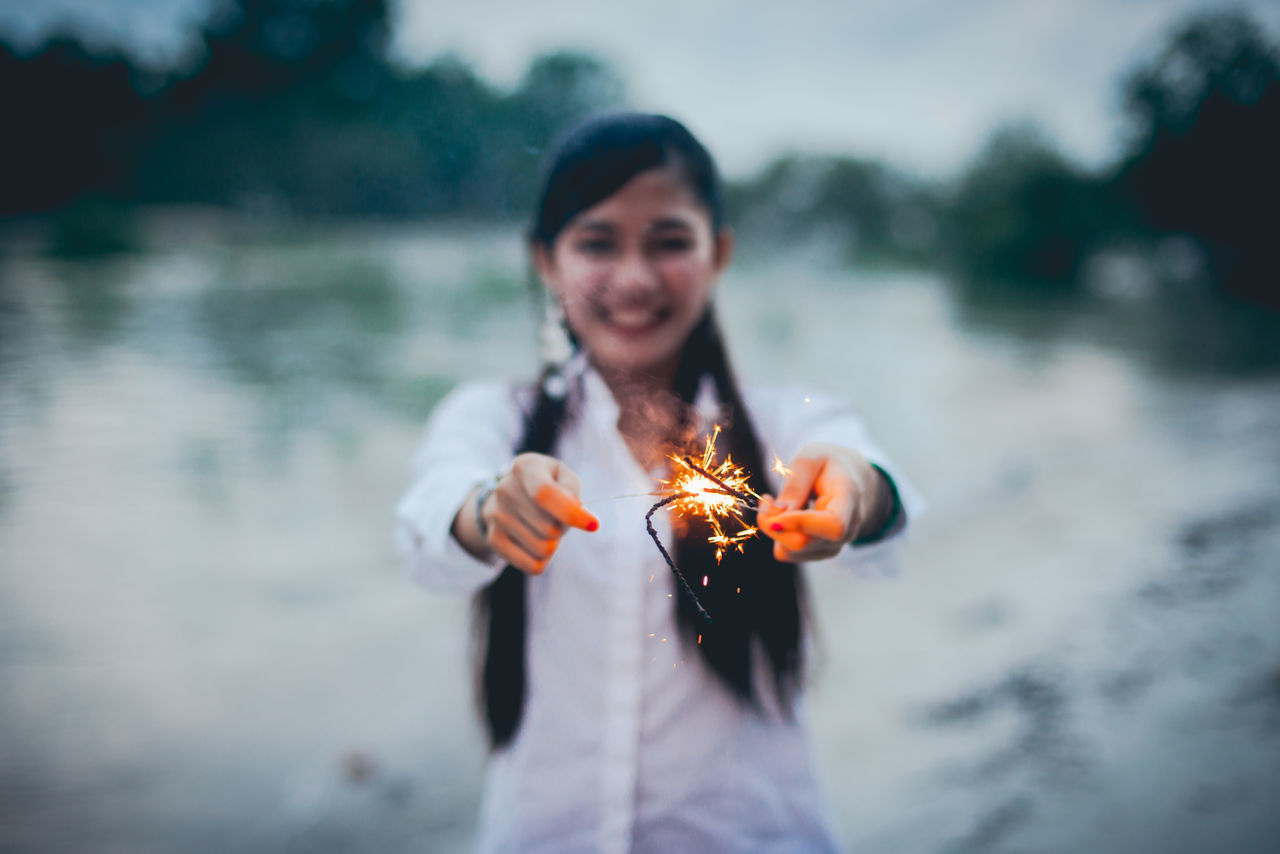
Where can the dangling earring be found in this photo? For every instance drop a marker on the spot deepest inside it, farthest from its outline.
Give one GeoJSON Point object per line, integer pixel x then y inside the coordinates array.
{"type": "Point", "coordinates": [556, 348]}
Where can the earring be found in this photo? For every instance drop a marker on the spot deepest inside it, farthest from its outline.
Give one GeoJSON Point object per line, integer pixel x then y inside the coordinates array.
{"type": "Point", "coordinates": [556, 348]}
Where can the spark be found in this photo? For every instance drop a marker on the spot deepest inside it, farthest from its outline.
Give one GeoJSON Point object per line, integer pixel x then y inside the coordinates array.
{"type": "Point", "coordinates": [780, 467]}
{"type": "Point", "coordinates": [716, 492]}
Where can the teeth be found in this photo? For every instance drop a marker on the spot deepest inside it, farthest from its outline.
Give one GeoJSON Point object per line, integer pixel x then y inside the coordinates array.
{"type": "Point", "coordinates": [636, 316]}
{"type": "Point", "coordinates": [634, 321]}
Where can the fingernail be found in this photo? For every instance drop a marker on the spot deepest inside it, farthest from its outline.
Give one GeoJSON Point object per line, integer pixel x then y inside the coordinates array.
{"type": "Point", "coordinates": [776, 526]}
{"type": "Point", "coordinates": [593, 525]}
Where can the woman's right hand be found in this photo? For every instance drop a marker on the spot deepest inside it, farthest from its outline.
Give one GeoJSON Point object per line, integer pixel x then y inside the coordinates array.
{"type": "Point", "coordinates": [526, 514]}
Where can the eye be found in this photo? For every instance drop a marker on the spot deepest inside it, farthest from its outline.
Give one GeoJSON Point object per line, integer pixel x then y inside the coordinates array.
{"type": "Point", "coordinates": [595, 246]}
{"type": "Point", "coordinates": [673, 243]}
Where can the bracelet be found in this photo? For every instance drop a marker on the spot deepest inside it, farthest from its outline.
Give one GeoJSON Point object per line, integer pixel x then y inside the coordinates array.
{"type": "Point", "coordinates": [892, 520]}
{"type": "Point", "coordinates": [486, 489]}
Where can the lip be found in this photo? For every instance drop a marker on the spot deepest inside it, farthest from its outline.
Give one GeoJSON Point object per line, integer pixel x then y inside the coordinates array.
{"type": "Point", "coordinates": [632, 328]}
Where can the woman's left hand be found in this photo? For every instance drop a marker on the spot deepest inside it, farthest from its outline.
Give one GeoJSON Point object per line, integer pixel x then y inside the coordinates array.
{"type": "Point", "coordinates": [829, 499]}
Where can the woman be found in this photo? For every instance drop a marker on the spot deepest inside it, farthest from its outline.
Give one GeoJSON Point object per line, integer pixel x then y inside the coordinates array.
{"type": "Point", "coordinates": [621, 718]}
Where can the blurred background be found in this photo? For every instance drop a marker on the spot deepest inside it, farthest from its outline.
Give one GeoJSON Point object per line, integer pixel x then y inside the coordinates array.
{"type": "Point", "coordinates": [245, 245]}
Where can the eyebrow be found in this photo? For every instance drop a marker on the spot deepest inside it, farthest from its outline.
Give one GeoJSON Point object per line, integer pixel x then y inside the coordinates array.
{"type": "Point", "coordinates": [595, 225]}
{"type": "Point", "coordinates": [670, 222]}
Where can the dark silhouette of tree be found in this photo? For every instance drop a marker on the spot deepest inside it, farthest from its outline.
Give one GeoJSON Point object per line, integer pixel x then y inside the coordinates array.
{"type": "Point", "coordinates": [72, 116]}
{"type": "Point", "coordinates": [256, 49]}
{"type": "Point", "coordinates": [1205, 117]}
{"type": "Point", "coordinates": [874, 211]}
{"type": "Point", "coordinates": [1023, 212]}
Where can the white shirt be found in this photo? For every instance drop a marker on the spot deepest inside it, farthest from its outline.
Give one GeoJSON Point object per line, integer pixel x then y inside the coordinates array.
{"type": "Point", "coordinates": [628, 742]}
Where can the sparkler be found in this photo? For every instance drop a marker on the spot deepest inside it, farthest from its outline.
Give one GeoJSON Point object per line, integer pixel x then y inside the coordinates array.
{"type": "Point", "coordinates": [718, 493]}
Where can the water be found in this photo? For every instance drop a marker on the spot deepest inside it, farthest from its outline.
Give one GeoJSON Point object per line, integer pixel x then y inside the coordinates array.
{"type": "Point", "coordinates": [205, 644]}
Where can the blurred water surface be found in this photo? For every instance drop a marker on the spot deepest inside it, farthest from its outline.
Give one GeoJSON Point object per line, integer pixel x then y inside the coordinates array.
{"type": "Point", "coordinates": [205, 643]}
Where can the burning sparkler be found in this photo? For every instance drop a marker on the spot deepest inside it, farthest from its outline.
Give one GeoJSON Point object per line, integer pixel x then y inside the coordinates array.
{"type": "Point", "coordinates": [718, 493]}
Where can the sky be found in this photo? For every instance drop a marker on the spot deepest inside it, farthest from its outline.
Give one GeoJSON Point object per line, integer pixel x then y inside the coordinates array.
{"type": "Point", "coordinates": [919, 83]}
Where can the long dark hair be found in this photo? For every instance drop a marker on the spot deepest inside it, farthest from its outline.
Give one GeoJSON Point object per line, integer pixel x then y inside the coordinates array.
{"type": "Point", "coordinates": [762, 601]}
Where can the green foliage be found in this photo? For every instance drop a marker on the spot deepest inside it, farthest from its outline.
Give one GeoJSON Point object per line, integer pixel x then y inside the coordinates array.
{"type": "Point", "coordinates": [1205, 118]}
{"type": "Point", "coordinates": [874, 212]}
{"type": "Point", "coordinates": [93, 226]}
{"type": "Point", "coordinates": [72, 114]}
{"type": "Point", "coordinates": [292, 107]}
{"type": "Point", "coordinates": [1023, 212]}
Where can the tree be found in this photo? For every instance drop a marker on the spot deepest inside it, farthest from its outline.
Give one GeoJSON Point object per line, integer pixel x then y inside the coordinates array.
{"type": "Point", "coordinates": [1205, 118]}
{"type": "Point", "coordinates": [1023, 212]}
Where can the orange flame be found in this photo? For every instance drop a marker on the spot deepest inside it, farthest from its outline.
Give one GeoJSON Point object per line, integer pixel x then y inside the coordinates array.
{"type": "Point", "coordinates": [702, 496]}
{"type": "Point", "coordinates": [779, 467]}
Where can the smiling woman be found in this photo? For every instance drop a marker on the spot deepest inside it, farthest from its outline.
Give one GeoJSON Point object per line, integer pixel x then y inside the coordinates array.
{"type": "Point", "coordinates": [623, 716]}
{"type": "Point", "coordinates": [636, 273]}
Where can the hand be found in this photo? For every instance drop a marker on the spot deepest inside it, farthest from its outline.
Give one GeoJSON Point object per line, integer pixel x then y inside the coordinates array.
{"type": "Point", "coordinates": [527, 513]}
{"type": "Point", "coordinates": [846, 491]}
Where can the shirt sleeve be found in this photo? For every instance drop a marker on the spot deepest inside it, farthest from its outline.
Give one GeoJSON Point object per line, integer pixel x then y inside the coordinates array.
{"type": "Point", "coordinates": [469, 437]}
{"type": "Point", "coordinates": [808, 416]}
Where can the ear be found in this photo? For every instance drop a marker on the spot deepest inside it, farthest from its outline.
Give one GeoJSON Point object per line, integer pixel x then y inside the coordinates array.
{"type": "Point", "coordinates": [723, 250]}
{"type": "Point", "coordinates": [543, 263]}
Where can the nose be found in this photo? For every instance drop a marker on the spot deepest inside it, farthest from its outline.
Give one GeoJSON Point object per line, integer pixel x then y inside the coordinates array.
{"type": "Point", "coordinates": [635, 275]}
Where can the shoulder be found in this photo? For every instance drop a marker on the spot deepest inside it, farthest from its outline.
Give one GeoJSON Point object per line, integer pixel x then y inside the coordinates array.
{"type": "Point", "coordinates": [480, 397]}
{"type": "Point", "coordinates": [481, 407]}
{"type": "Point", "coordinates": [794, 405]}
{"type": "Point", "coordinates": [788, 416]}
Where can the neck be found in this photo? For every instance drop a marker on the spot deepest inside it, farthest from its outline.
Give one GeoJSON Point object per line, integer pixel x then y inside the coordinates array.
{"type": "Point", "coordinates": [648, 411]}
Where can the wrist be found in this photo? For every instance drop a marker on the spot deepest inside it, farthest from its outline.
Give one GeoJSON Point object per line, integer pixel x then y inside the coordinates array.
{"type": "Point", "coordinates": [886, 508]}
{"type": "Point", "coordinates": [469, 526]}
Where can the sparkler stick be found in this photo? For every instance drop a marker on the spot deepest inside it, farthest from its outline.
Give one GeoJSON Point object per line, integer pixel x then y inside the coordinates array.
{"type": "Point", "coordinates": [628, 495]}
{"type": "Point", "coordinates": [713, 492]}
{"type": "Point", "coordinates": [648, 524]}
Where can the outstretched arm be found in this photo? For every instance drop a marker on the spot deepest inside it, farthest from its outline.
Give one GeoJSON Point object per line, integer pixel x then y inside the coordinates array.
{"type": "Point", "coordinates": [522, 515]}
{"type": "Point", "coordinates": [833, 497]}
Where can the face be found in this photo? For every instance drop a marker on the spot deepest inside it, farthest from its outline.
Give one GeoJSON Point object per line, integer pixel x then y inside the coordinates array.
{"type": "Point", "coordinates": [636, 272]}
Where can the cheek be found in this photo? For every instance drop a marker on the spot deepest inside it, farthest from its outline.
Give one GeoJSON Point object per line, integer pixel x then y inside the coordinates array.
{"type": "Point", "coordinates": [579, 284]}
{"type": "Point", "coordinates": [689, 280]}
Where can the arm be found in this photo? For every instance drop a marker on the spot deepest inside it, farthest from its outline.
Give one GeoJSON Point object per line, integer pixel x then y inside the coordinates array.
{"type": "Point", "coordinates": [468, 438]}
{"type": "Point", "coordinates": [520, 517]}
{"type": "Point", "coordinates": [852, 501]}
{"type": "Point", "coordinates": [447, 538]}
{"type": "Point", "coordinates": [843, 499]}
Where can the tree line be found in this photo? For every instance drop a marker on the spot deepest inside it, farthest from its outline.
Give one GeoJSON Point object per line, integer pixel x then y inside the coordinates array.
{"type": "Point", "coordinates": [294, 107]}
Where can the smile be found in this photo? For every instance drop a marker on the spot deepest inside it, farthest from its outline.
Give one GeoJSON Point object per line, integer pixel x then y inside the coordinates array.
{"type": "Point", "coordinates": [633, 321]}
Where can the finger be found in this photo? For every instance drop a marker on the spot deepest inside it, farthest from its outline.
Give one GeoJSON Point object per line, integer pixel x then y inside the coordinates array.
{"type": "Point", "coordinates": [816, 523]}
{"type": "Point", "coordinates": [782, 553]}
{"type": "Point", "coordinates": [519, 508]}
{"type": "Point", "coordinates": [565, 507]}
{"type": "Point", "coordinates": [837, 491]}
{"type": "Point", "coordinates": [540, 548]}
{"type": "Point", "coordinates": [567, 479]}
{"type": "Point", "coordinates": [509, 551]}
{"type": "Point", "coordinates": [840, 504]}
{"type": "Point", "coordinates": [817, 550]}
{"type": "Point", "coordinates": [795, 542]}
{"type": "Point", "coordinates": [795, 492]}
{"type": "Point", "coordinates": [764, 512]}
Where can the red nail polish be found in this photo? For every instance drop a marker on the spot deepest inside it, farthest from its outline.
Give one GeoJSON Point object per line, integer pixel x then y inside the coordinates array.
{"type": "Point", "coordinates": [593, 525]}
{"type": "Point", "coordinates": [775, 527]}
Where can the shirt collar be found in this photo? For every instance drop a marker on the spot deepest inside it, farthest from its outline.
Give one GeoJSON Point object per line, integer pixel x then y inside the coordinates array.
{"type": "Point", "coordinates": [599, 404]}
